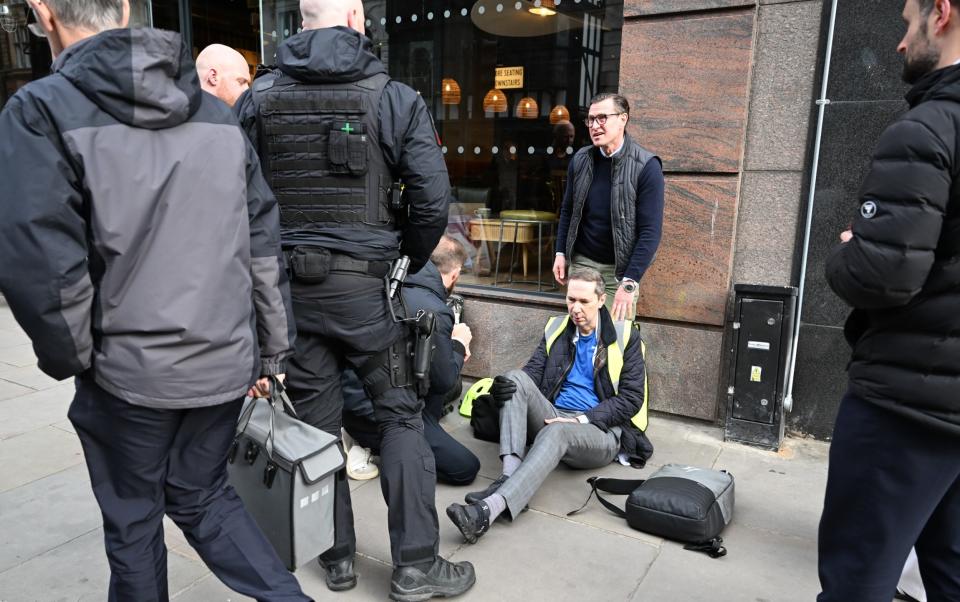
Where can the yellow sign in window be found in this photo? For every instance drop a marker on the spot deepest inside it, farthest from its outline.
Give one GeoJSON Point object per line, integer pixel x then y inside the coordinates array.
{"type": "Point", "coordinates": [509, 77]}
{"type": "Point", "coordinates": [755, 373]}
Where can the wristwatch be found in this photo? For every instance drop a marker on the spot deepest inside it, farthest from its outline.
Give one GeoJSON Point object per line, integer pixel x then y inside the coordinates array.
{"type": "Point", "coordinates": [629, 286]}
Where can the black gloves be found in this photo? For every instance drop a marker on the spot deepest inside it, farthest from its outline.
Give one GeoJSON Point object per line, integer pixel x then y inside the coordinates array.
{"type": "Point", "coordinates": [502, 390]}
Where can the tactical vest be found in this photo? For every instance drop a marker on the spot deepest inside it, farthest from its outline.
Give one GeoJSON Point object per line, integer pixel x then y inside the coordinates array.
{"type": "Point", "coordinates": [557, 324]}
{"type": "Point", "coordinates": [320, 151]}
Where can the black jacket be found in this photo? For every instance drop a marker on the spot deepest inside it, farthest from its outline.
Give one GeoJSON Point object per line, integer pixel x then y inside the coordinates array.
{"type": "Point", "coordinates": [421, 291]}
{"type": "Point", "coordinates": [633, 231]}
{"type": "Point", "coordinates": [901, 270]}
{"type": "Point", "coordinates": [138, 236]}
{"type": "Point", "coordinates": [407, 138]}
{"type": "Point", "coordinates": [424, 290]}
{"type": "Point", "coordinates": [614, 409]}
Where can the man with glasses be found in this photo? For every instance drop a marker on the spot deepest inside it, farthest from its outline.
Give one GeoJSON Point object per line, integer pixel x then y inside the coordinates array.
{"type": "Point", "coordinates": [612, 212]}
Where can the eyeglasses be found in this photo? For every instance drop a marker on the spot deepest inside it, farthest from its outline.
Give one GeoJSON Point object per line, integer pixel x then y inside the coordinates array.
{"type": "Point", "coordinates": [35, 27]}
{"type": "Point", "coordinates": [600, 119]}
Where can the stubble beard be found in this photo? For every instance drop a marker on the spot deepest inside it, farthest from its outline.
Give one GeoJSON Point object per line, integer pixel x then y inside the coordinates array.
{"type": "Point", "coordinates": [923, 62]}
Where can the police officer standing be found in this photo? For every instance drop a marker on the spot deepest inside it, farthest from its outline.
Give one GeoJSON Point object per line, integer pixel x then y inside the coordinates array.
{"type": "Point", "coordinates": [334, 132]}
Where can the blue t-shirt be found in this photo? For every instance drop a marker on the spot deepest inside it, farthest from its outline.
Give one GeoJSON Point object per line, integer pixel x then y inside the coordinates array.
{"type": "Point", "coordinates": [577, 391]}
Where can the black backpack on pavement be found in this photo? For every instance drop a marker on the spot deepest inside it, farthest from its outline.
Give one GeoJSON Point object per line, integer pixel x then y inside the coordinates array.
{"type": "Point", "coordinates": [683, 503]}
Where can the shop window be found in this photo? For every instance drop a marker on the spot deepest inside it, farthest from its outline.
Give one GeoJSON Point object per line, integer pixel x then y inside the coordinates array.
{"type": "Point", "coordinates": [25, 57]}
{"type": "Point", "coordinates": [507, 82]}
{"type": "Point", "coordinates": [235, 24]}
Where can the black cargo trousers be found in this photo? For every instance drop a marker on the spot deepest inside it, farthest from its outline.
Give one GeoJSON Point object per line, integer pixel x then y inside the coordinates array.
{"type": "Point", "coordinates": [342, 321]}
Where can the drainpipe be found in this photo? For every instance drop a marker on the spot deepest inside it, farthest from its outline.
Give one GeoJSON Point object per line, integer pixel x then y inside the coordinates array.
{"type": "Point", "coordinates": [822, 103]}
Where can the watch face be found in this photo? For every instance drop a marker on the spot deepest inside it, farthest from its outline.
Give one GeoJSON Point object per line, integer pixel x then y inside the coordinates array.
{"type": "Point", "coordinates": [630, 287]}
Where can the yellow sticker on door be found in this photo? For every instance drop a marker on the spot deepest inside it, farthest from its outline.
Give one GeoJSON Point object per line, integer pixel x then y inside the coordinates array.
{"type": "Point", "coordinates": [755, 373]}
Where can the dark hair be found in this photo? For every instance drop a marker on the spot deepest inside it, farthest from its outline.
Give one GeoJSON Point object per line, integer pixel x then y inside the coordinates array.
{"type": "Point", "coordinates": [449, 254]}
{"type": "Point", "coordinates": [585, 274]}
{"type": "Point", "coordinates": [620, 102]}
{"type": "Point", "coordinates": [926, 7]}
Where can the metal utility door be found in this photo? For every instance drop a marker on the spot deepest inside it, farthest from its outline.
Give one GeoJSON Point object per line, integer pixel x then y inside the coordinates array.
{"type": "Point", "coordinates": [756, 384]}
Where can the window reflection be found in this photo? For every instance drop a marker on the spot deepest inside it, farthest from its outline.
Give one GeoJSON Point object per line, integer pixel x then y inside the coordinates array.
{"type": "Point", "coordinates": [507, 83]}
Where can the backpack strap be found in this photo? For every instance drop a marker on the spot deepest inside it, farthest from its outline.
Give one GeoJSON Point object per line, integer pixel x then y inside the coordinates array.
{"type": "Point", "coordinates": [614, 486]}
{"type": "Point", "coordinates": [711, 547]}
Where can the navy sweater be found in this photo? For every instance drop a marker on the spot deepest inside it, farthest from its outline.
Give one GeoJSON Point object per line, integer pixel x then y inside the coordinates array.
{"type": "Point", "coordinates": [595, 235]}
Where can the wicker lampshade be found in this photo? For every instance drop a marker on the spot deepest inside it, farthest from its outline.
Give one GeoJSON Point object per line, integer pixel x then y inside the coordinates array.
{"type": "Point", "coordinates": [495, 101]}
{"type": "Point", "coordinates": [450, 91]}
{"type": "Point", "coordinates": [559, 113]}
{"type": "Point", "coordinates": [527, 108]}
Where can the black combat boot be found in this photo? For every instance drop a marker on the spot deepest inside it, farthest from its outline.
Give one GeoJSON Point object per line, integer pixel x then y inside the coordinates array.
{"type": "Point", "coordinates": [340, 575]}
{"type": "Point", "coordinates": [442, 580]}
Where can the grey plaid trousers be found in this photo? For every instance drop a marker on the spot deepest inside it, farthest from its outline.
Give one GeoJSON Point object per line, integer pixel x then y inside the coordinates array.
{"type": "Point", "coordinates": [576, 445]}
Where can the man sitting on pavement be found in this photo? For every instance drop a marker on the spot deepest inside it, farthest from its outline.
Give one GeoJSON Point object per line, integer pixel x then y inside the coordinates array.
{"type": "Point", "coordinates": [582, 393]}
{"type": "Point", "coordinates": [427, 290]}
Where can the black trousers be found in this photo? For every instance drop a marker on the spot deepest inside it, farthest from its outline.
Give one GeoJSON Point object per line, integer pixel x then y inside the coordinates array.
{"type": "Point", "coordinates": [456, 465]}
{"type": "Point", "coordinates": [893, 483]}
{"type": "Point", "coordinates": [343, 321]}
{"type": "Point", "coordinates": [145, 462]}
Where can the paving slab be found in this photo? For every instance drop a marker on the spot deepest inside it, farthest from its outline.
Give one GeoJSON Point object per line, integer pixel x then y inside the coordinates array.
{"type": "Point", "coordinates": [545, 559]}
{"type": "Point", "coordinates": [65, 426]}
{"type": "Point", "coordinates": [757, 568]}
{"type": "Point", "coordinates": [680, 442]}
{"type": "Point", "coordinates": [29, 376]}
{"type": "Point", "coordinates": [41, 515]}
{"type": "Point", "coordinates": [36, 454]}
{"type": "Point", "coordinates": [11, 391]}
{"type": "Point", "coordinates": [779, 492]}
{"type": "Point", "coordinates": [370, 520]}
{"type": "Point", "coordinates": [77, 570]}
{"type": "Point", "coordinates": [10, 333]}
{"type": "Point", "coordinates": [35, 410]}
{"type": "Point", "coordinates": [373, 583]}
{"type": "Point", "coordinates": [18, 355]}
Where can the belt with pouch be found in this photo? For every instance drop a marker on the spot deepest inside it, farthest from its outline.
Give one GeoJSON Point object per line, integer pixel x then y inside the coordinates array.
{"type": "Point", "coordinates": [313, 264]}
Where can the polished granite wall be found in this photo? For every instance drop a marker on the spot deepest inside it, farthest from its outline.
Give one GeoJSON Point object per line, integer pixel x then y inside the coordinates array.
{"type": "Point", "coordinates": [722, 91]}
{"type": "Point", "coordinates": [865, 94]}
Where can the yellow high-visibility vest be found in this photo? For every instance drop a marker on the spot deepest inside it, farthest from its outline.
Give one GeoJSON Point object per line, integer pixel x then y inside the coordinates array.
{"type": "Point", "coordinates": [557, 324]}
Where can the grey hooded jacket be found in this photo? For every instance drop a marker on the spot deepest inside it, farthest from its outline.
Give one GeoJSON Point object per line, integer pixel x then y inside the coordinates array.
{"type": "Point", "coordinates": [139, 241]}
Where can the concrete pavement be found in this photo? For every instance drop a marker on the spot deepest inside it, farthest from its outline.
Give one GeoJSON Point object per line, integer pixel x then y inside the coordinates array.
{"type": "Point", "coordinates": [51, 536]}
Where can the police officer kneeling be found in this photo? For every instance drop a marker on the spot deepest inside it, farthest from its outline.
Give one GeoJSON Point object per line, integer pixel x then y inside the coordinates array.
{"type": "Point", "coordinates": [333, 132]}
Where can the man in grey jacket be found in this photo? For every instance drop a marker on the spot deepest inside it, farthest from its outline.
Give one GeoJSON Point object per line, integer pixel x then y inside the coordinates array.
{"type": "Point", "coordinates": [153, 277]}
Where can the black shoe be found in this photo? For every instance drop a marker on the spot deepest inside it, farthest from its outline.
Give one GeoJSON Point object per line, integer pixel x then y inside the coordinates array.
{"type": "Point", "coordinates": [444, 580]}
{"type": "Point", "coordinates": [473, 520]}
{"type": "Point", "coordinates": [476, 496]}
{"type": "Point", "coordinates": [340, 575]}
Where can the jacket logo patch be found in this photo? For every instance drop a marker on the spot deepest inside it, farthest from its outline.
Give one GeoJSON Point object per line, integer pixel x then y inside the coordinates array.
{"type": "Point", "coordinates": [868, 209]}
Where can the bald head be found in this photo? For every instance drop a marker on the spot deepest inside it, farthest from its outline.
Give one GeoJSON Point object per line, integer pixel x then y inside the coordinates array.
{"type": "Point", "coordinates": [318, 14]}
{"type": "Point", "coordinates": [223, 72]}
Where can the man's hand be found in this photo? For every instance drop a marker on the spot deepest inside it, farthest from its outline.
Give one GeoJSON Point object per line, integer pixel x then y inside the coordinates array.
{"type": "Point", "coordinates": [846, 235]}
{"type": "Point", "coordinates": [621, 304]}
{"type": "Point", "coordinates": [561, 419]}
{"type": "Point", "coordinates": [560, 269]}
{"type": "Point", "coordinates": [261, 388]}
{"type": "Point", "coordinates": [502, 390]}
{"type": "Point", "coordinates": [461, 332]}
